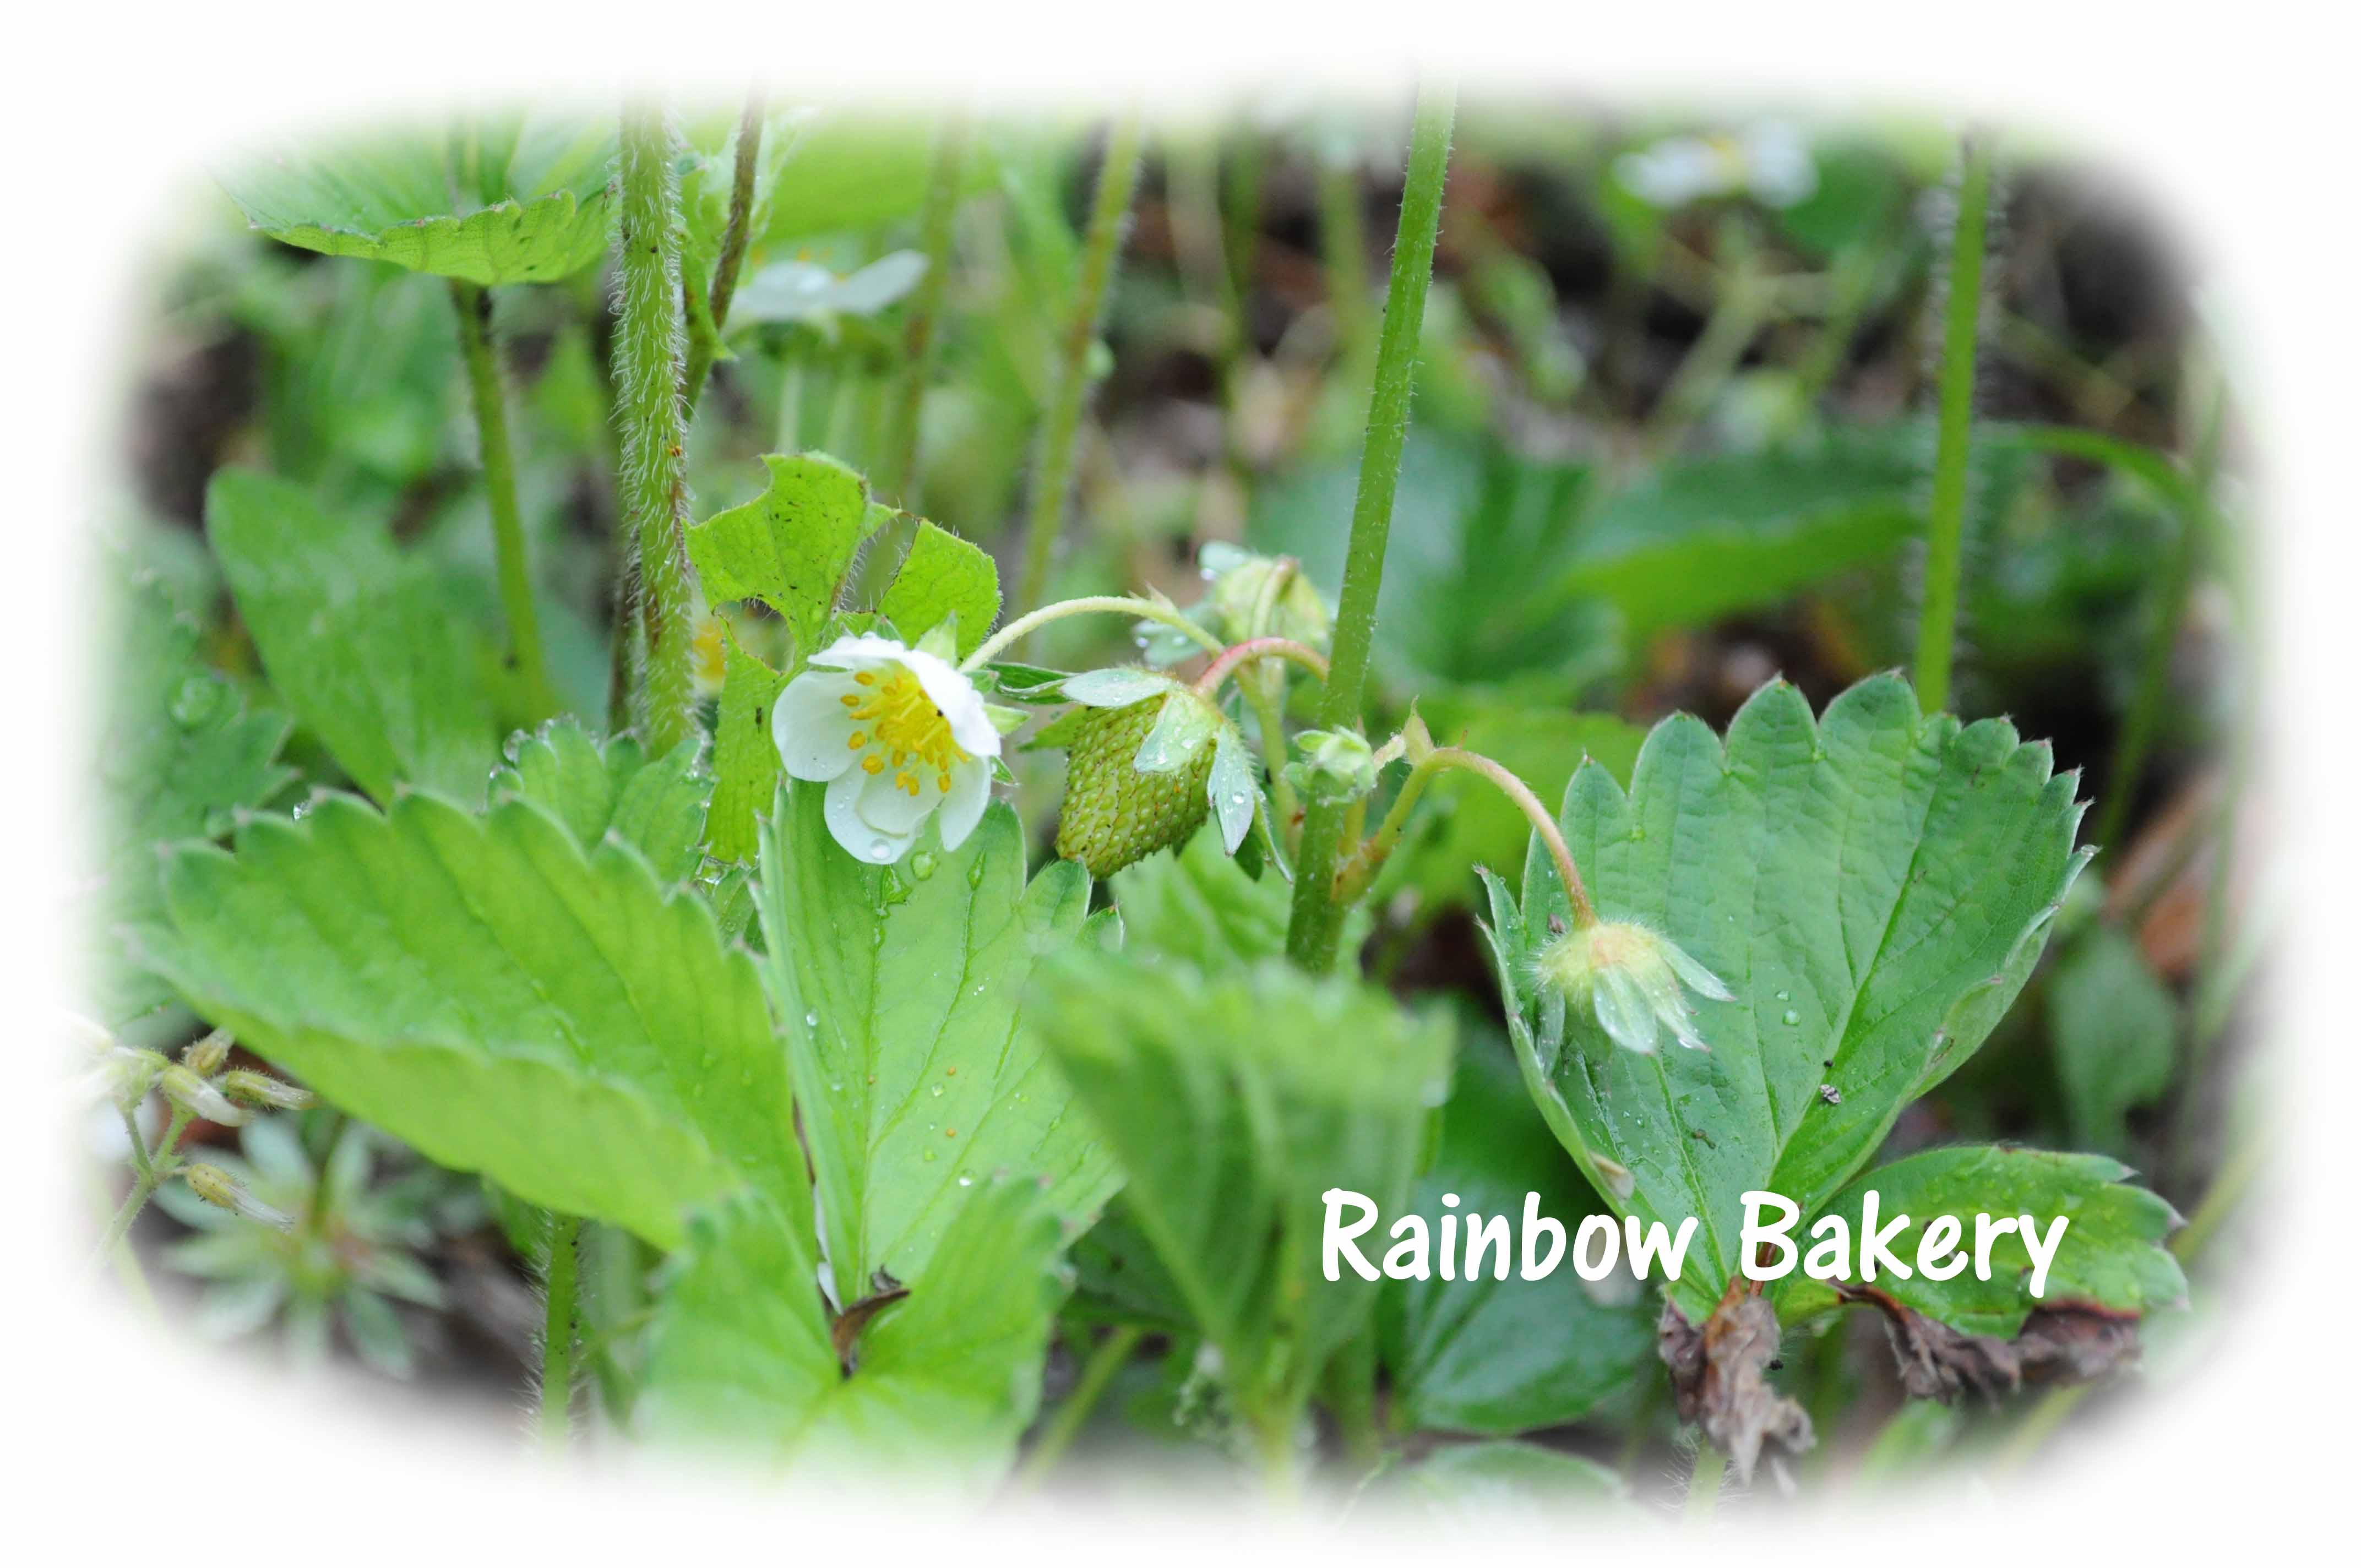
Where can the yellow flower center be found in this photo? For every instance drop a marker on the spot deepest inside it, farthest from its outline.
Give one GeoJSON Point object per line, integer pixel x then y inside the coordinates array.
{"type": "Point", "coordinates": [901, 722]}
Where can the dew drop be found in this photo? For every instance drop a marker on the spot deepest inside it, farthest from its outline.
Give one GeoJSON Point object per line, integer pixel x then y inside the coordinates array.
{"type": "Point", "coordinates": [197, 701]}
{"type": "Point", "coordinates": [965, 1181]}
{"type": "Point", "coordinates": [880, 850]}
{"type": "Point", "coordinates": [922, 864]}
{"type": "Point", "coordinates": [811, 1020]}
{"type": "Point", "coordinates": [937, 1091]}
{"type": "Point", "coordinates": [1791, 1016]}
{"type": "Point", "coordinates": [928, 1156]}
{"type": "Point", "coordinates": [1780, 995]}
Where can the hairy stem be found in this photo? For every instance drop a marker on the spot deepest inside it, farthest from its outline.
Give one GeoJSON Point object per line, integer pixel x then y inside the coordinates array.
{"type": "Point", "coordinates": [1316, 918]}
{"type": "Point", "coordinates": [1053, 465]}
{"type": "Point", "coordinates": [1705, 1483]}
{"type": "Point", "coordinates": [896, 474]}
{"type": "Point", "coordinates": [557, 1335]}
{"type": "Point", "coordinates": [1353, 879]}
{"type": "Point", "coordinates": [473, 305]}
{"type": "Point", "coordinates": [1102, 604]}
{"type": "Point", "coordinates": [734, 237]}
{"type": "Point", "coordinates": [1246, 652]}
{"type": "Point", "coordinates": [151, 1167]}
{"type": "Point", "coordinates": [1938, 615]}
{"type": "Point", "coordinates": [650, 339]}
{"type": "Point", "coordinates": [1114, 1353]}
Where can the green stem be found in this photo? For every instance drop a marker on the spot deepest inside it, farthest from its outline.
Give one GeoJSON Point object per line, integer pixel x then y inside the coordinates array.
{"type": "Point", "coordinates": [1705, 1483]}
{"type": "Point", "coordinates": [152, 1168]}
{"type": "Point", "coordinates": [1053, 467]}
{"type": "Point", "coordinates": [557, 1335]}
{"type": "Point", "coordinates": [1101, 604]}
{"type": "Point", "coordinates": [1353, 879]}
{"type": "Point", "coordinates": [2145, 717]}
{"type": "Point", "coordinates": [1938, 615]}
{"type": "Point", "coordinates": [650, 340]}
{"type": "Point", "coordinates": [1352, 1402]}
{"type": "Point", "coordinates": [1344, 253]}
{"type": "Point", "coordinates": [896, 476]}
{"type": "Point", "coordinates": [733, 258]}
{"type": "Point", "coordinates": [1738, 317]}
{"type": "Point", "coordinates": [1316, 917]}
{"type": "Point", "coordinates": [1255, 648]}
{"type": "Point", "coordinates": [1114, 1353]}
{"type": "Point", "coordinates": [473, 305]}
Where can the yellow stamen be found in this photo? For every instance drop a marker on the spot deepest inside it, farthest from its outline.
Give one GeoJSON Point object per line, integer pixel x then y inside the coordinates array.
{"type": "Point", "coordinates": [873, 765]}
{"type": "Point", "coordinates": [856, 740]}
{"type": "Point", "coordinates": [850, 700]}
{"type": "Point", "coordinates": [902, 727]}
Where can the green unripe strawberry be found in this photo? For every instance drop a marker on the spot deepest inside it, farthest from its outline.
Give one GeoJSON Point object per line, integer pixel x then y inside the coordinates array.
{"type": "Point", "coordinates": [1114, 813]}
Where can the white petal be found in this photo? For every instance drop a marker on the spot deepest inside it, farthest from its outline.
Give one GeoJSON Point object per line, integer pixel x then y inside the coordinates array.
{"type": "Point", "coordinates": [892, 811]}
{"type": "Point", "coordinates": [963, 807]}
{"type": "Point", "coordinates": [1695, 975]}
{"type": "Point", "coordinates": [1623, 1012]}
{"type": "Point", "coordinates": [956, 698]}
{"type": "Point", "coordinates": [812, 728]}
{"type": "Point", "coordinates": [864, 651]}
{"type": "Point", "coordinates": [861, 841]}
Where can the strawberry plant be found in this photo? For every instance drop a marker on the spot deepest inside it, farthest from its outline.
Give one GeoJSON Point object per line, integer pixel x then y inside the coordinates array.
{"type": "Point", "coordinates": [1398, 1051]}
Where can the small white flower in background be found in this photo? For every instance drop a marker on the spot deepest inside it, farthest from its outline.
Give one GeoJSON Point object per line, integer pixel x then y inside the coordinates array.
{"type": "Point", "coordinates": [1768, 160]}
{"type": "Point", "coordinates": [1632, 978]}
{"type": "Point", "coordinates": [801, 291]}
{"type": "Point", "coordinates": [897, 734]}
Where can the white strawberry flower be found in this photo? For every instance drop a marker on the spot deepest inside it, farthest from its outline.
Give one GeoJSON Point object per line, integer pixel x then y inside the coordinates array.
{"type": "Point", "coordinates": [1768, 160]}
{"type": "Point", "coordinates": [896, 733]}
{"type": "Point", "coordinates": [1634, 980]}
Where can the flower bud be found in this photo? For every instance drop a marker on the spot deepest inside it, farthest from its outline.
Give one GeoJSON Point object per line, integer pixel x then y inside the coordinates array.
{"type": "Point", "coordinates": [261, 1089]}
{"type": "Point", "coordinates": [1115, 811]}
{"type": "Point", "coordinates": [222, 1191]}
{"type": "Point", "coordinates": [197, 1097]}
{"type": "Point", "coordinates": [208, 1056]}
{"type": "Point", "coordinates": [1336, 765]}
{"type": "Point", "coordinates": [1632, 978]}
{"type": "Point", "coordinates": [1241, 582]}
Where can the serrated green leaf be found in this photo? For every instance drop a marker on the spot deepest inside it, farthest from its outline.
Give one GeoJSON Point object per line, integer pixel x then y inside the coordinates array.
{"type": "Point", "coordinates": [901, 989]}
{"type": "Point", "coordinates": [1874, 888]}
{"type": "Point", "coordinates": [943, 577]}
{"type": "Point", "coordinates": [1502, 1356]}
{"type": "Point", "coordinates": [789, 546]}
{"type": "Point", "coordinates": [2112, 1028]}
{"type": "Point", "coordinates": [1233, 1101]}
{"type": "Point", "coordinates": [536, 211]}
{"type": "Point", "coordinates": [359, 640]}
{"type": "Point", "coordinates": [657, 807]}
{"type": "Point", "coordinates": [180, 754]}
{"type": "Point", "coordinates": [741, 1349]}
{"type": "Point", "coordinates": [2111, 1258]}
{"type": "Point", "coordinates": [745, 758]}
{"type": "Point", "coordinates": [488, 991]}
